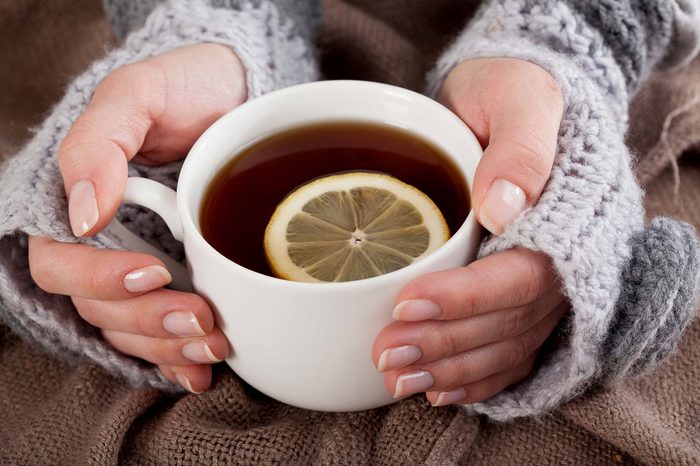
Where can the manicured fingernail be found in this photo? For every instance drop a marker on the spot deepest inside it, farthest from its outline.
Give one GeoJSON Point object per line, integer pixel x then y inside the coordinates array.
{"type": "Point", "coordinates": [503, 202]}
{"type": "Point", "coordinates": [447, 398]}
{"type": "Point", "coordinates": [198, 351]}
{"type": "Point", "coordinates": [416, 309]}
{"type": "Point", "coordinates": [401, 356]}
{"type": "Point", "coordinates": [186, 384]}
{"type": "Point", "coordinates": [82, 207]}
{"type": "Point", "coordinates": [147, 279]}
{"type": "Point", "coordinates": [413, 382]}
{"type": "Point", "coordinates": [183, 324]}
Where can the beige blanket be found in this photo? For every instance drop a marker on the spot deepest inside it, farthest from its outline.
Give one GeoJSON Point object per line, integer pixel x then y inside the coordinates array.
{"type": "Point", "coordinates": [53, 413]}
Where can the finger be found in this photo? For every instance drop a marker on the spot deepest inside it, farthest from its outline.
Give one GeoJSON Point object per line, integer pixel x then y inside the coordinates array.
{"type": "Point", "coordinates": [470, 366]}
{"type": "Point", "coordinates": [94, 154]}
{"type": "Point", "coordinates": [87, 272]}
{"type": "Point", "coordinates": [160, 314]}
{"type": "Point", "coordinates": [194, 378]}
{"type": "Point", "coordinates": [505, 280]}
{"type": "Point", "coordinates": [210, 349]}
{"type": "Point", "coordinates": [156, 109]}
{"type": "Point", "coordinates": [520, 119]}
{"type": "Point", "coordinates": [483, 389]}
{"type": "Point", "coordinates": [404, 343]}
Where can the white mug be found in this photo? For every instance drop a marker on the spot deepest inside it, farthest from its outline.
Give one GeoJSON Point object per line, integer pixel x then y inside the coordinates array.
{"type": "Point", "coordinates": [305, 344]}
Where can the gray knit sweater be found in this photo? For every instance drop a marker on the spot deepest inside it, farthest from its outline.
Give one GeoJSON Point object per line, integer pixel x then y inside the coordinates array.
{"type": "Point", "coordinates": [632, 290]}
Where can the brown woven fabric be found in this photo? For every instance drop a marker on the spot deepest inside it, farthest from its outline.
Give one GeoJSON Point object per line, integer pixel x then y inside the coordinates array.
{"type": "Point", "coordinates": [53, 413]}
{"type": "Point", "coordinates": [42, 45]}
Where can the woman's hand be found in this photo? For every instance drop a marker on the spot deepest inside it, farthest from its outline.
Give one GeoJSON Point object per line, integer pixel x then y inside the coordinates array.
{"type": "Point", "coordinates": [463, 335]}
{"type": "Point", "coordinates": [150, 112]}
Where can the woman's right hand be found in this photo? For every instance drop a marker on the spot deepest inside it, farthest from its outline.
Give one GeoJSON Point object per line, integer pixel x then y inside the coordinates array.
{"type": "Point", "coordinates": [150, 112]}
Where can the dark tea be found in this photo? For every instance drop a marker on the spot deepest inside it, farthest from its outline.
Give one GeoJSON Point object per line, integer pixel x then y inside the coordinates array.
{"type": "Point", "coordinates": [244, 194]}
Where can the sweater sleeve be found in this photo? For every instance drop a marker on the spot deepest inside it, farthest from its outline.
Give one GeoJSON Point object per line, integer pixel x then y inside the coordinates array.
{"type": "Point", "coordinates": [631, 288]}
{"type": "Point", "coordinates": [276, 53]}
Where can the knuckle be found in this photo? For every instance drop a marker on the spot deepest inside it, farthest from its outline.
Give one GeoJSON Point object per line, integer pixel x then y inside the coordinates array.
{"type": "Point", "coordinates": [143, 321]}
{"type": "Point", "coordinates": [448, 342]}
{"type": "Point", "coordinates": [459, 372]}
{"type": "Point", "coordinates": [124, 75]}
{"type": "Point", "coordinates": [520, 348]}
{"type": "Point", "coordinates": [142, 83]}
{"type": "Point", "coordinates": [465, 303]}
{"type": "Point", "coordinates": [462, 300]}
{"type": "Point", "coordinates": [163, 349]}
{"type": "Point", "coordinates": [101, 280]}
{"type": "Point", "coordinates": [533, 161]}
{"type": "Point", "coordinates": [166, 349]}
{"type": "Point", "coordinates": [512, 322]}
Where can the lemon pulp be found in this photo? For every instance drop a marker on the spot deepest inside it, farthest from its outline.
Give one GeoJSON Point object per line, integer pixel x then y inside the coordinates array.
{"type": "Point", "coordinates": [352, 226]}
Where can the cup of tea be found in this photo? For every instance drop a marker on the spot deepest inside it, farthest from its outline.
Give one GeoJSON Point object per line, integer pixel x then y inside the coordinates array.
{"type": "Point", "coordinates": [308, 344]}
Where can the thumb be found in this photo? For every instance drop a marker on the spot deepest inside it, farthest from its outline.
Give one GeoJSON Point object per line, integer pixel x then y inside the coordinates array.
{"type": "Point", "coordinates": [517, 160]}
{"type": "Point", "coordinates": [94, 154]}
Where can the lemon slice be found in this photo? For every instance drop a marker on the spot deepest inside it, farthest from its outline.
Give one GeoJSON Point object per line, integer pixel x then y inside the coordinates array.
{"type": "Point", "coordinates": [352, 226]}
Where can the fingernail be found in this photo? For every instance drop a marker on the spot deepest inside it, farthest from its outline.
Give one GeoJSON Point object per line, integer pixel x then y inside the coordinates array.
{"type": "Point", "coordinates": [503, 202]}
{"type": "Point", "coordinates": [416, 309]}
{"type": "Point", "coordinates": [447, 398]}
{"type": "Point", "coordinates": [147, 279]}
{"type": "Point", "coordinates": [185, 382]}
{"type": "Point", "coordinates": [198, 351]}
{"type": "Point", "coordinates": [82, 207]}
{"type": "Point", "coordinates": [400, 356]}
{"type": "Point", "coordinates": [413, 382]}
{"type": "Point", "coordinates": [183, 324]}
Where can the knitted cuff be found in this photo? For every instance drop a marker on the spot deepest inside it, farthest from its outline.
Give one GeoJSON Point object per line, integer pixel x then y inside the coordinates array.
{"type": "Point", "coordinates": [657, 301]}
{"type": "Point", "coordinates": [31, 189]}
{"type": "Point", "coordinates": [591, 208]}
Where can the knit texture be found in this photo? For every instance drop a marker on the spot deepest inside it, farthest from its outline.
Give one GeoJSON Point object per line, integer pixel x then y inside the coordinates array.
{"type": "Point", "coordinates": [59, 413]}
{"type": "Point", "coordinates": [301, 16]}
{"type": "Point", "coordinates": [585, 219]}
{"type": "Point", "coordinates": [590, 216]}
{"type": "Point", "coordinates": [657, 302]}
{"type": "Point", "coordinates": [31, 189]}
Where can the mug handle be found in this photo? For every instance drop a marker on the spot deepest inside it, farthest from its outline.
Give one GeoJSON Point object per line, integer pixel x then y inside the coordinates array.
{"type": "Point", "coordinates": [163, 201]}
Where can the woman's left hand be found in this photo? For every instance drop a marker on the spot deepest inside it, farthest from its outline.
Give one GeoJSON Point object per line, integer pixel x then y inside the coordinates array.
{"type": "Point", "coordinates": [463, 335]}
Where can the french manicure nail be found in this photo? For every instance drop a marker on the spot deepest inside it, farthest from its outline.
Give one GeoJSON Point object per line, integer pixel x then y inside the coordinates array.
{"type": "Point", "coordinates": [147, 279]}
{"type": "Point", "coordinates": [186, 384]}
{"type": "Point", "coordinates": [447, 398]}
{"type": "Point", "coordinates": [413, 382]}
{"type": "Point", "coordinates": [82, 207]}
{"type": "Point", "coordinates": [503, 202]}
{"type": "Point", "coordinates": [183, 324]}
{"type": "Point", "coordinates": [416, 309]}
{"type": "Point", "coordinates": [199, 351]}
{"type": "Point", "coordinates": [401, 356]}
